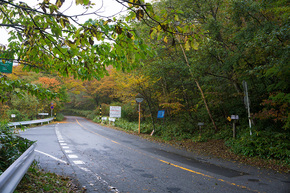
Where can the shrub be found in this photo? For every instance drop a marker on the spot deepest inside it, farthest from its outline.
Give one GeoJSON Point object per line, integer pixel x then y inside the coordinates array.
{"type": "Point", "coordinates": [18, 115]}
{"type": "Point", "coordinates": [129, 112]}
{"type": "Point", "coordinates": [263, 144]}
{"type": "Point", "coordinates": [11, 147]}
{"type": "Point", "coordinates": [124, 124]}
{"type": "Point", "coordinates": [59, 117]}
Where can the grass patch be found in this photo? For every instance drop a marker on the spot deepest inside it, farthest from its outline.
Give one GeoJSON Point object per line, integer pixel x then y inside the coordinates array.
{"type": "Point", "coordinates": [37, 180]}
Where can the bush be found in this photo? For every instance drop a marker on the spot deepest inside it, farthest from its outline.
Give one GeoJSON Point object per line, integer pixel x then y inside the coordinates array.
{"type": "Point", "coordinates": [92, 115]}
{"type": "Point", "coordinates": [59, 117]}
{"type": "Point", "coordinates": [18, 115]}
{"type": "Point", "coordinates": [129, 112]}
{"type": "Point", "coordinates": [11, 147]}
{"type": "Point", "coordinates": [263, 144]}
{"type": "Point", "coordinates": [124, 124]}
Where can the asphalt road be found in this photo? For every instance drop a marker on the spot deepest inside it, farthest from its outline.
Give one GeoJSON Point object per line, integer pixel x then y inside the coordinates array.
{"type": "Point", "coordinates": [107, 160]}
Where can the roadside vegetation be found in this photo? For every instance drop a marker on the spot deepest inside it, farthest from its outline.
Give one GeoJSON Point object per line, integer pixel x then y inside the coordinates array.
{"type": "Point", "coordinates": [11, 147]}
{"type": "Point", "coordinates": [36, 180]}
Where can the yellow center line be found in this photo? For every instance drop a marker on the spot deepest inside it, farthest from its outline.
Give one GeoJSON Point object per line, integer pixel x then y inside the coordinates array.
{"type": "Point", "coordinates": [174, 165]}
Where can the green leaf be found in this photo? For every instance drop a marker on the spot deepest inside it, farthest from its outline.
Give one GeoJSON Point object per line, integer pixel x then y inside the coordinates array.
{"type": "Point", "coordinates": [194, 44]}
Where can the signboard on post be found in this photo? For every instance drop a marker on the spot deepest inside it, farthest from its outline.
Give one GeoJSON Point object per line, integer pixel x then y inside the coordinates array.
{"type": "Point", "coordinates": [6, 66]}
{"type": "Point", "coordinates": [115, 111]}
{"type": "Point", "coordinates": [161, 114]}
{"type": "Point", "coordinates": [43, 114]}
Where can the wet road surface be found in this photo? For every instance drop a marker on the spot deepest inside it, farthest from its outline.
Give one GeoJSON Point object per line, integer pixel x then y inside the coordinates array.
{"type": "Point", "coordinates": [107, 160]}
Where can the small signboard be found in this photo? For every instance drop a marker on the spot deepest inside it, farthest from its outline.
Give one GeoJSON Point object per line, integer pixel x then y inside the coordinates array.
{"type": "Point", "coordinates": [161, 114]}
{"type": "Point", "coordinates": [139, 100]}
{"type": "Point", "coordinates": [6, 66]}
{"type": "Point", "coordinates": [115, 111]}
{"type": "Point", "coordinates": [235, 117]}
{"type": "Point", "coordinates": [43, 114]}
{"type": "Point", "coordinates": [200, 124]}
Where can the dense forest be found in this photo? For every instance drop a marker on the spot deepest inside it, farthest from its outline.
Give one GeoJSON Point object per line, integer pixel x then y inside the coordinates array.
{"type": "Point", "coordinates": [200, 61]}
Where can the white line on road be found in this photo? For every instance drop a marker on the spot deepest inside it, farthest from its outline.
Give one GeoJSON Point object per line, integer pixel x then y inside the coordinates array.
{"type": "Point", "coordinates": [55, 158]}
{"type": "Point", "coordinates": [72, 156]}
{"type": "Point", "coordinates": [63, 143]}
{"type": "Point", "coordinates": [78, 162]}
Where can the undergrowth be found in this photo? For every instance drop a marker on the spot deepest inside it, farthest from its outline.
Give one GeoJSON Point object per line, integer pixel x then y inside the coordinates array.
{"type": "Point", "coordinates": [36, 180]}
{"type": "Point", "coordinates": [11, 147]}
{"type": "Point", "coordinates": [263, 144]}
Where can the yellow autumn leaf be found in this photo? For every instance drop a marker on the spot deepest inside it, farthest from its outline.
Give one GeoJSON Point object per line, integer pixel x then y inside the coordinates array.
{"type": "Point", "coordinates": [194, 44]}
{"type": "Point", "coordinates": [165, 39]}
{"type": "Point", "coordinates": [106, 22]}
{"type": "Point", "coordinates": [187, 46]}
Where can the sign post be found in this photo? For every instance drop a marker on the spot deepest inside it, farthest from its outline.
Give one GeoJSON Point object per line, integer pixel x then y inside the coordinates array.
{"type": "Point", "coordinates": [51, 108]}
{"type": "Point", "coordinates": [160, 115]}
{"type": "Point", "coordinates": [115, 111]}
{"type": "Point", "coordinates": [13, 116]}
{"type": "Point", "coordinates": [235, 118]}
{"type": "Point", "coordinates": [139, 99]}
{"type": "Point", "coordinates": [200, 124]}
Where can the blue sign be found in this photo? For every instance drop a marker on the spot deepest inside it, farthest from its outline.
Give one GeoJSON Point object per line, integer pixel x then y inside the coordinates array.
{"type": "Point", "coordinates": [161, 114]}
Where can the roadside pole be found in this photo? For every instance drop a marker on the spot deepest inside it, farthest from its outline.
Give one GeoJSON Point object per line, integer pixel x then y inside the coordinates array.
{"type": "Point", "coordinates": [247, 103]}
{"type": "Point", "coordinates": [51, 109]}
{"type": "Point", "coordinates": [139, 98]}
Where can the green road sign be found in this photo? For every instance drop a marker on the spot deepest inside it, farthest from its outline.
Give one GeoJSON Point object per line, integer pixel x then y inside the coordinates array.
{"type": "Point", "coordinates": [6, 67]}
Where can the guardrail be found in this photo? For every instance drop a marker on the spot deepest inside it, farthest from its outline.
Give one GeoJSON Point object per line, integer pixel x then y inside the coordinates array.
{"type": "Point", "coordinates": [12, 175]}
{"type": "Point", "coordinates": [30, 122]}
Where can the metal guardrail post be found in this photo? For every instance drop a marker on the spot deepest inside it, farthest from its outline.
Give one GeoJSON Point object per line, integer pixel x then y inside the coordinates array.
{"type": "Point", "coordinates": [13, 175]}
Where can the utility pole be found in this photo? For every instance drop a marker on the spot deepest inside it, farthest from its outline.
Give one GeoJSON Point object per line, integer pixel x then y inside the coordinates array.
{"type": "Point", "coordinates": [247, 103]}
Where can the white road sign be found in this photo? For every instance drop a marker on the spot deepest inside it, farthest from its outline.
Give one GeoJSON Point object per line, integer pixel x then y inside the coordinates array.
{"type": "Point", "coordinates": [115, 111]}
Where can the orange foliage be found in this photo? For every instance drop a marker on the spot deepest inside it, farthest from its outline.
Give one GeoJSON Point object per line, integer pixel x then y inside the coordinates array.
{"type": "Point", "coordinates": [49, 83]}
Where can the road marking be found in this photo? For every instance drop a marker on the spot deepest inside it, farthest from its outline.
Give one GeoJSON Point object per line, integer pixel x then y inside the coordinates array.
{"type": "Point", "coordinates": [115, 142]}
{"type": "Point", "coordinates": [99, 178]}
{"type": "Point", "coordinates": [63, 143]}
{"type": "Point", "coordinates": [78, 162]}
{"type": "Point", "coordinates": [65, 147]}
{"type": "Point", "coordinates": [55, 158]}
{"type": "Point", "coordinates": [177, 166]}
{"type": "Point", "coordinates": [72, 156]}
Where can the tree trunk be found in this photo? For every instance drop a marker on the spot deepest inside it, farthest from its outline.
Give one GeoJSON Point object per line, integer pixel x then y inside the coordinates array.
{"type": "Point", "coordinates": [206, 106]}
{"type": "Point", "coordinates": [200, 89]}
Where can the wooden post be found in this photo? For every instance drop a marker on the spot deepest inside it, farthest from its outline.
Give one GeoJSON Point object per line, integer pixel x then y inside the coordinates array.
{"type": "Point", "coordinates": [234, 129]}
{"type": "Point", "coordinates": [139, 118]}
